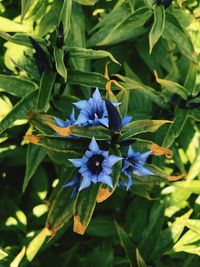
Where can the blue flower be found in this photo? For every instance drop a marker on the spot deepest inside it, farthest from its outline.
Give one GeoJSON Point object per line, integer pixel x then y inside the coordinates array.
{"type": "Point", "coordinates": [126, 120]}
{"type": "Point", "coordinates": [134, 164]}
{"type": "Point", "coordinates": [65, 124]}
{"type": "Point", "coordinates": [75, 182]}
{"type": "Point", "coordinates": [92, 111]}
{"type": "Point", "coordinates": [95, 166]}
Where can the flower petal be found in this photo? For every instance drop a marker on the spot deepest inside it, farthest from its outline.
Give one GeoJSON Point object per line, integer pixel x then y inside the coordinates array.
{"type": "Point", "coordinates": [143, 157]}
{"type": "Point", "coordinates": [96, 95]}
{"type": "Point", "coordinates": [104, 121]}
{"type": "Point", "coordinates": [71, 183]}
{"type": "Point", "coordinates": [72, 116]}
{"type": "Point", "coordinates": [93, 146]}
{"type": "Point", "coordinates": [86, 182]}
{"type": "Point", "coordinates": [142, 171]}
{"type": "Point", "coordinates": [105, 179]}
{"type": "Point", "coordinates": [82, 104]}
{"type": "Point", "coordinates": [60, 123]}
{"type": "Point", "coordinates": [112, 159]}
{"type": "Point", "coordinates": [130, 151]}
{"type": "Point", "coordinates": [126, 120]}
{"type": "Point", "coordinates": [82, 118]}
{"type": "Point", "coordinates": [76, 162]}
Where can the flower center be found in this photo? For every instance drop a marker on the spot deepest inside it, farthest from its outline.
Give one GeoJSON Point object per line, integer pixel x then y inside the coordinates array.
{"type": "Point", "coordinates": [132, 161]}
{"type": "Point", "coordinates": [95, 164]}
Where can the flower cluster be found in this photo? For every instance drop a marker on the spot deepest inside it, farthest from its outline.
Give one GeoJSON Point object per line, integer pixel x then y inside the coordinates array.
{"type": "Point", "coordinates": [96, 164]}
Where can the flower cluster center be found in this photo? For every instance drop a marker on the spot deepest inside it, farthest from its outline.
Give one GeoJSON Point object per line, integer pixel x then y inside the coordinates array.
{"type": "Point", "coordinates": [95, 164]}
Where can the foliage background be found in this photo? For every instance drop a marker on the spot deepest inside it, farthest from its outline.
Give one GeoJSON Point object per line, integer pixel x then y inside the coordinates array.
{"type": "Point", "coordinates": [158, 217]}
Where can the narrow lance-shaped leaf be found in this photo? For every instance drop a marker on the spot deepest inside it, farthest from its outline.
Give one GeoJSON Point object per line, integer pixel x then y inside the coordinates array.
{"type": "Point", "coordinates": [152, 232]}
{"type": "Point", "coordinates": [128, 28]}
{"type": "Point", "coordinates": [84, 208]}
{"type": "Point", "coordinates": [190, 80]}
{"type": "Point", "coordinates": [141, 126]}
{"type": "Point", "coordinates": [20, 110]}
{"type": "Point", "coordinates": [60, 65]}
{"type": "Point", "coordinates": [46, 86]}
{"type": "Point", "coordinates": [34, 157]}
{"type": "Point", "coordinates": [127, 245]}
{"type": "Point", "coordinates": [26, 4]}
{"type": "Point", "coordinates": [184, 43]}
{"type": "Point", "coordinates": [16, 85]}
{"type": "Point", "coordinates": [169, 236]}
{"type": "Point", "coordinates": [172, 87]}
{"type": "Point", "coordinates": [61, 210]}
{"type": "Point", "coordinates": [140, 260]}
{"type": "Point", "coordinates": [65, 16]}
{"type": "Point", "coordinates": [157, 28]}
{"type": "Point", "coordinates": [174, 129]}
{"type": "Point", "coordinates": [89, 53]}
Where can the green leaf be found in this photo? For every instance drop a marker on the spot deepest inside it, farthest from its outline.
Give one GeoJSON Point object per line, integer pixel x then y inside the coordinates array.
{"type": "Point", "coordinates": [101, 227]}
{"type": "Point", "coordinates": [60, 65]}
{"type": "Point", "coordinates": [20, 110]}
{"type": "Point", "coordinates": [65, 16]}
{"type": "Point", "coordinates": [35, 156]}
{"type": "Point", "coordinates": [152, 231]}
{"type": "Point", "coordinates": [195, 167]}
{"type": "Point", "coordinates": [190, 80]}
{"type": "Point", "coordinates": [61, 210]}
{"type": "Point", "coordinates": [3, 254]}
{"type": "Point", "coordinates": [158, 26]}
{"type": "Point", "coordinates": [130, 27]}
{"type": "Point", "coordinates": [173, 33]}
{"type": "Point", "coordinates": [61, 144]}
{"type": "Point", "coordinates": [173, 87]}
{"type": "Point", "coordinates": [123, 98]}
{"type": "Point", "coordinates": [98, 132]}
{"type": "Point", "coordinates": [169, 236]}
{"type": "Point", "coordinates": [141, 126]}
{"type": "Point", "coordinates": [46, 86]}
{"type": "Point", "coordinates": [89, 53]}
{"type": "Point", "coordinates": [84, 208]}
{"type": "Point", "coordinates": [175, 128]}
{"type": "Point", "coordinates": [126, 244]}
{"type": "Point", "coordinates": [140, 261]}
{"type": "Point", "coordinates": [35, 245]}
{"type": "Point", "coordinates": [147, 91]}
{"type": "Point", "coordinates": [26, 4]}
{"type": "Point", "coordinates": [16, 85]}
{"type": "Point", "coordinates": [88, 79]}
{"type": "Point", "coordinates": [189, 243]}
{"type": "Point", "coordinates": [86, 2]}
{"type": "Point", "coordinates": [190, 186]}
{"type": "Point", "coordinates": [7, 25]}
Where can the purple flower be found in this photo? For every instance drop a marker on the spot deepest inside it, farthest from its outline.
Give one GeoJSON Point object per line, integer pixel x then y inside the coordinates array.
{"type": "Point", "coordinates": [95, 166]}
{"type": "Point", "coordinates": [134, 164]}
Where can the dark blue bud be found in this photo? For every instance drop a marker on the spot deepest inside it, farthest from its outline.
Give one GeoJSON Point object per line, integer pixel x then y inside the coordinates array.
{"type": "Point", "coordinates": [115, 121]}
{"type": "Point", "coordinates": [40, 56]}
{"type": "Point", "coordinates": [165, 3]}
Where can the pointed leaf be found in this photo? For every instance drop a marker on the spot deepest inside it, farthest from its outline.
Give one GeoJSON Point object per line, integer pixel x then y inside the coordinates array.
{"type": "Point", "coordinates": [20, 110]}
{"type": "Point", "coordinates": [157, 28]}
{"type": "Point", "coordinates": [34, 157]}
{"type": "Point", "coordinates": [46, 86]}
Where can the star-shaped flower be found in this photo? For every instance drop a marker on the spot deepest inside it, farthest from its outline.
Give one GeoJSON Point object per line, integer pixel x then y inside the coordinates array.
{"type": "Point", "coordinates": [92, 111]}
{"type": "Point", "coordinates": [95, 166]}
{"type": "Point", "coordinates": [134, 164]}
